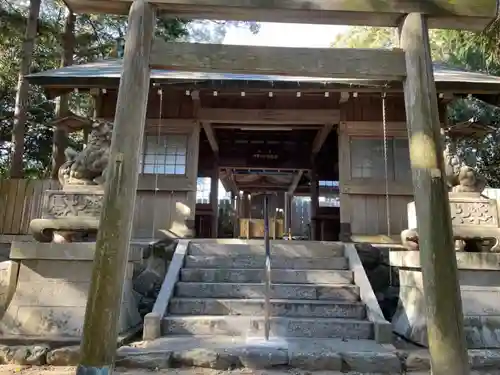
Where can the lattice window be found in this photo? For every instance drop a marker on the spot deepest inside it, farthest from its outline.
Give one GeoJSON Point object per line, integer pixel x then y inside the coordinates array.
{"type": "Point", "coordinates": [367, 158]}
{"type": "Point", "coordinates": [166, 155]}
{"type": "Point", "coordinates": [328, 183]}
{"type": "Point", "coordinates": [203, 187]}
{"type": "Point", "coordinates": [402, 160]}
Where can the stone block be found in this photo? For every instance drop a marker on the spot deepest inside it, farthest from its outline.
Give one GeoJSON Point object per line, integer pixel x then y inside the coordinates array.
{"type": "Point", "coordinates": [257, 275]}
{"type": "Point", "coordinates": [315, 361]}
{"type": "Point", "coordinates": [261, 358]}
{"type": "Point", "coordinates": [255, 261]}
{"type": "Point", "coordinates": [8, 280]}
{"type": "Point", "coordinates": [484, 359]}
{"type": "Point", "coordinates": [290, 249]}
{"type": "Point", "coordinates": [279, 291]}
{"type": "Point", "coordinates": [478, 281]}
{"type": "Point", "coordinates": [282, 308]}
{"type": "Point", "coordinates": [280, 327]}
{"type": "Point", "coordinates": [207, 358]}
{"type": "Point", "coordinates": [51, 293]}
{"type": "Point", "coordinates": [29, 355]}
{"type": "Point", "coordinates": [65, 356]}
{"type": "Point", "coordinates": [83, 202]}
{"type": "Point", "coordinates": [144, 360]}
{"type": "Point", "coordinates": [147, 282]}
{"type": "Point", "coordinates": [372, 362]}
{"type": "Point", "coordinates": [418, 360]}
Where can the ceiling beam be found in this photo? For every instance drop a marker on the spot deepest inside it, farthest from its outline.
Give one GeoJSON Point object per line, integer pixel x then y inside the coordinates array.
{"type": "Point", "coordinates": [295, 182]}
{"type": "Point", "coordinates": [465, 14]}
{"type": "Point", "coordinates": [320, 138]}
{"type": "Point", "coordinates": [349, 63]}
{"type": "Point", "coordinates": [269, 116]}
{"type": "Point", "coordinates": [195, 95]}
{"type": "Point", "coordinates": [211, 137]}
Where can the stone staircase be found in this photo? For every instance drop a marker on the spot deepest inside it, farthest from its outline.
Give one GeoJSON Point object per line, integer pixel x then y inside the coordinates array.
{"type": "Point", "coordinates": [220, 292]}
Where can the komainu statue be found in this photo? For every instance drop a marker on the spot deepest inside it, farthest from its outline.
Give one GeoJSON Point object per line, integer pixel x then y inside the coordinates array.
{"type": "Point", "coordinates": [475, 219]}
{"type": "Point", "coordinates": [73, 213]}
{"type": "Point", "coordinates": [461, 177]}
{"type": "Point", "coordinates": [88, 166]}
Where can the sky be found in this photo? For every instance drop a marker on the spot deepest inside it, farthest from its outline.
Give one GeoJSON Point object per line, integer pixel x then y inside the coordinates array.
{"type": "Point", "coordinates": [285, 35]}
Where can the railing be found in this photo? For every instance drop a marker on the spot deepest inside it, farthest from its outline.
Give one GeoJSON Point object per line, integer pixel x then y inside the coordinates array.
{"type": "Point", "coordinates": [267, 271]}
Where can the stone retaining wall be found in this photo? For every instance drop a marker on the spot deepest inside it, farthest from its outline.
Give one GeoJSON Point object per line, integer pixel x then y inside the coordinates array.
{"type": "Point", "coordinates": [397, 362]}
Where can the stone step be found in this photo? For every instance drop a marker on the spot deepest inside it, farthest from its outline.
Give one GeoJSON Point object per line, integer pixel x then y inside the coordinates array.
{"type": "Point", "coordinates": [255, 307]}
{"type": "Point", "coordinates": [289, 249]}
{"type": "Point", "coordinates": [292, 291]}
{"type": "Point", "coordinates": [278, 276]}
{"type": "Point", "coordinates": [258, 261]}
{"type": "Point", "coordinates": [280, 326]}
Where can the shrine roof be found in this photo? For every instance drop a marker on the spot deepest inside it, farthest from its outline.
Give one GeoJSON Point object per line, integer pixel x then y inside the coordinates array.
{"type": "Point", "coordinates": [106, 73]}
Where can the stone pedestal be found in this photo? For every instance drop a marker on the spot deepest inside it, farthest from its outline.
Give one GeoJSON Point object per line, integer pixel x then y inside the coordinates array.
{"type": "Point", "coordinates": [474, 218]}
{"type": "Point", "coordinates": [67, 213]}
{"type": "Point", "coordinates": [52, 290]}
{"type": "Point", "coordinates": [479, 278]}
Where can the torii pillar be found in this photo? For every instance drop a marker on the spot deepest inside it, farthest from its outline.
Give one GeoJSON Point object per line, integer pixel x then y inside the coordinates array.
{"type": "Point", "coordinates": [100, 331]}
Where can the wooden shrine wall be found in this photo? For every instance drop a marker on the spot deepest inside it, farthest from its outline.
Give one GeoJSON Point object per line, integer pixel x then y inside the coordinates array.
{"type": "Point", "coordinates": [164, 201]}
{"type": "Point", "coordinates": [362, 188]}
{"type": "Point", "coordinates": [362, 165]}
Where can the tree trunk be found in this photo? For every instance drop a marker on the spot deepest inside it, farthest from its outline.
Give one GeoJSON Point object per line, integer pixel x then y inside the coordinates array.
{"type": "Point", "coordinates": [60, 137]}
{"type": "Point", "coordinates": [16, 166]}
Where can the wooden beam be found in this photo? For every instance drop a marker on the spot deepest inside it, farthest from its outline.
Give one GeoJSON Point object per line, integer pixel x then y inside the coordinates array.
{"type": "Point", "coordinates": [320, 138]}
{"type": "Point", "coordinates": [295, 182]}
{"type": "Point", "coordinates": [269, 116]}
{"type": "Point", "coordinates": [374, 187]}
{"type": "Point", "coordinates": [211, 137]}
{"type": "Point", "coordinates": [311, 62]}
{"type": "Point", "coordinates": [465, 14]}
{"type": "Point", "coordinates": [444, 314]}
{"type": "Point", "coordinates": [100, 330]}
{"type": "Point", "coordinates": [214, 200]}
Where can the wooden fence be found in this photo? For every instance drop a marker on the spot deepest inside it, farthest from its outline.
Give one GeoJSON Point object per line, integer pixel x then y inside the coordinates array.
{"type": "Point", "coordinates": [21, 202]}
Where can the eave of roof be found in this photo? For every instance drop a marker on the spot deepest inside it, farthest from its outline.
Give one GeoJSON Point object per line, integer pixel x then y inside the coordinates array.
{"type": "Point", "coordinates": [107, 73]}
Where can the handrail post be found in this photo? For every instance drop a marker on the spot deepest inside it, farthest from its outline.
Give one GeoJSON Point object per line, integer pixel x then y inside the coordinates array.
{"type": "Point", "coordinates": [267, 270]}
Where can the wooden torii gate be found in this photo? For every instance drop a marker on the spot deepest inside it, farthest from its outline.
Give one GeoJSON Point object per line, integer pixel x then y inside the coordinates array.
{"type": "Point", "coordinates": [411, 64]}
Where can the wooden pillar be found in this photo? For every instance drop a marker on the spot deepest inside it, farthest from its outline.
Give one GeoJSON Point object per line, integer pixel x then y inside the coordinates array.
{"type": "Point", "coordinates": [314, 201]}
{"type": "Point", "coordinates": [214, 200]}
{"type": "Point", "coordinates": [288, 213]}
{"type": "Point", "coordinates": [235, 199]}
{"type": "Point", "coordinates": [100, 334]}
{"type": "Point", "coordinates": [437, 255]}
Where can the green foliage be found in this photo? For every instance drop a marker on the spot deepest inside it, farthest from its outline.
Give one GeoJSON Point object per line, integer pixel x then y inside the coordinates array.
{"type": "Point", "coordinates": [95, 38]}
{"type": "Point", "coordinates": [460, 49]}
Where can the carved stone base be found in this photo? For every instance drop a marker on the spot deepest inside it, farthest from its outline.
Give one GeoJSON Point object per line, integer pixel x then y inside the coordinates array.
{"type": "Point", "coordinates": [475, 223]}
{"type": "Point", "coordinates": [52, 289]}
{"type": "Point", "coordinates": [69, 215]}
{"type": "Point", "coordinates": [479, 277]}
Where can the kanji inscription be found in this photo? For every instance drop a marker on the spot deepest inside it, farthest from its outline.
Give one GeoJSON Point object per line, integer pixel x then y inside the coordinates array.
{"type": "Point", "coordinates": [473, 213]}
{"type": "Point", "coordinates": [69, 204]}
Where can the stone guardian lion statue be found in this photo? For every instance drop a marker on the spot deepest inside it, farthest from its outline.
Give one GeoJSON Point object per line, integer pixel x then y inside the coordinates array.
{"type": "Point", "coordinates": [88, 167]}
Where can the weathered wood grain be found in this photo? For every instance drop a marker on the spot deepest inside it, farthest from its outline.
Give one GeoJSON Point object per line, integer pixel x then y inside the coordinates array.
{"type": "Point", "coordinates": [312, 62]}
{"type": "Point", "coordinates": [439, 266]}
{"type": "Point", "coordinates": [444, 13]}
{"type": "Point", "coordinates": [98, 347]}
{"type": "Point", "coordinates": [269, 116]}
